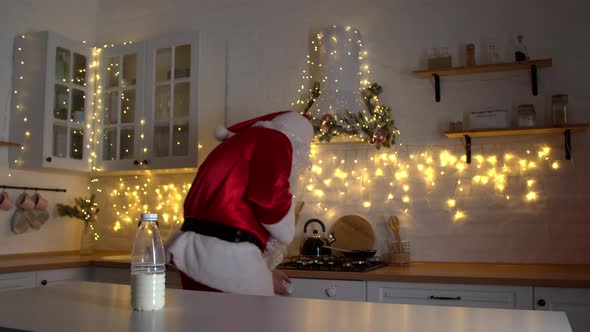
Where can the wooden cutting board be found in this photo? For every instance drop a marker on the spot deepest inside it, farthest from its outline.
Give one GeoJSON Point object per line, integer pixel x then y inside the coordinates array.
{"type": "Point", "coordinates": [353, 232]}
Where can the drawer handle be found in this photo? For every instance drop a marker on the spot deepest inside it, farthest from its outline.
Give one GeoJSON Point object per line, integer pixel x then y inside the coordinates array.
{"type": "Point", "coordinates": [541, 303]}
{"type": "Point", "coordinates": [43, 282]}
{"type": "Point", "coordinates": [331, 292]}
{"type": "Point", "coordinates": [458, 298]}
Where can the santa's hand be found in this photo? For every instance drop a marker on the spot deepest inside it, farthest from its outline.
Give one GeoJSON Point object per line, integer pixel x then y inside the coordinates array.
{"type": "Point", "coordinates": [281, 283]}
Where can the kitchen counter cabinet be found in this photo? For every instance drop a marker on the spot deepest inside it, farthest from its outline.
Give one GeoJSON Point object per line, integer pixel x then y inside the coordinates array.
{"type": "Point", "coordinates": [542, 275]}
{"type": "Point", "coordinates": [475, 296]}
{"type": "Point", "coordinates": [340, 290]}
{"type": "Point", "coordinates": [105, 307]}
{"type": "Point", "coordinates": [574, 302]}
{"type": "Point", "coordinates": [18, 280]}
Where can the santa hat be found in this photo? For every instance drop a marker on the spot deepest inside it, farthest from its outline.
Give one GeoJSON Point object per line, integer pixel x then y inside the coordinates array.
{"type": "Point", "coordinates": [287, 118]}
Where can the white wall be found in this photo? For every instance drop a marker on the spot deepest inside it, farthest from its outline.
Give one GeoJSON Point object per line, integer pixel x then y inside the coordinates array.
{"type": "Point", "coordinates": [75, 19]}
{"type": "Point", "coordinates": [268, 42]}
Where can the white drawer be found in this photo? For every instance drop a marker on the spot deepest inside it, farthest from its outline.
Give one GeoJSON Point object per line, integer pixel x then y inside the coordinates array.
{"type": "Point", "coordinates": [478, 296]}
{"type": "Point", "coordinates": [344, 290]}
{"type": "Point", "coordinates": [10, 281]}
{"type": "Point", "coordinates": [61, 276]}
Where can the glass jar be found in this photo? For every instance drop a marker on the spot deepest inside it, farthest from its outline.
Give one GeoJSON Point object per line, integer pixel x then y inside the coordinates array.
{"type": "Point", "coordinates": [559, 109]}
{"type": "Point", "coordinates": [400, 252]}
{"type": "Point", "coordinates": [526, 116]}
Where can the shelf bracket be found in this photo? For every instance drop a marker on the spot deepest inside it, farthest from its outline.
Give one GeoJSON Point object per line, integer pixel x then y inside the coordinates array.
{"type": "Point", "coordinates": [534, 80]}
{"type": "Point", "coordinates": [568, 144]}
{"type": "Point", "coordinates": [436, 87]}
{"type": "Point", "coordinates": [468, 149]}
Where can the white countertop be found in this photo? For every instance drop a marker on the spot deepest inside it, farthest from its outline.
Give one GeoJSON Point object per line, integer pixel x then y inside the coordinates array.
{"type": "Point", "coordinates": [101, 307]}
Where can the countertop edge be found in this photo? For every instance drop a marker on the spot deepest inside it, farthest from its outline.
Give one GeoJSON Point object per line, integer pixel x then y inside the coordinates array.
{"type": "Point", "coordinates": [535, 275]}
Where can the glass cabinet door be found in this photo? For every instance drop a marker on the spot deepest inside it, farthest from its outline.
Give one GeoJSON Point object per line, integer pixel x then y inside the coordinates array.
{"type": "Point", "coordinates": [120, 108]}
{"type": "Point", "coordinates": [172, 101]}
{"type": "Point", "coordinates": [69, 104]}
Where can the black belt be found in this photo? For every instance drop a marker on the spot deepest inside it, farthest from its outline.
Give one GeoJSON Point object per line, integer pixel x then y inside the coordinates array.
{"type": "Point", "coordinates": [220, 231]}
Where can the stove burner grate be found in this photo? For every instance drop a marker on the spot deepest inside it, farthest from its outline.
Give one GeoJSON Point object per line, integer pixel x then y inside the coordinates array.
{"type": "Point", "coordinates": [331, 263]}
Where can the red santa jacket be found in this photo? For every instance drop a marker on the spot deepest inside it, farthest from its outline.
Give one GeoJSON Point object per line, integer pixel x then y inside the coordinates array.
{"type": "Point", "coordinates": [244, 182]}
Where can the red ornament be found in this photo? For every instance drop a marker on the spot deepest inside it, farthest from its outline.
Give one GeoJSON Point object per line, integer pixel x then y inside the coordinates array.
{"type": "Point", "coordinates": [327, 118]}
{"type": "Point", "coordinates": [380, 137]}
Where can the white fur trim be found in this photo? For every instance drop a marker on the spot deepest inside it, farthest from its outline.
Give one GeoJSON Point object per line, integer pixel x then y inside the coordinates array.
{"type": "Point", "coordinates": [221, 133]}
{"type": "Point", "coordinates": [229, 267]}
{"type": "Point", "coordinates": [284, 230]}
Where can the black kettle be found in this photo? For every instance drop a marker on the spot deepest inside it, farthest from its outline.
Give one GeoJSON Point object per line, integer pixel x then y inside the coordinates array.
{"type": "Point", "coordinates": [316, 244]}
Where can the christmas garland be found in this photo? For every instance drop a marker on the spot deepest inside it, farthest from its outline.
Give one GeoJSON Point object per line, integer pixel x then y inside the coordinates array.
{"type": "Point", "coordinates": [375, 125]}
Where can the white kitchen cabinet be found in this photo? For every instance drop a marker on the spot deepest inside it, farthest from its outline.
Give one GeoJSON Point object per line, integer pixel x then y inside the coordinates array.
{"type": "Point", "coordinates": [120, 135]}
{"type": "Point", "coordinates": [339, 290]}
{"type": "Point", "coordinates": [51, 103]}
{"type": "Point", "coordinates": [42, 278]}
{"type": "Point", "coordinates": [123, 276]}
{"type": "Point", "coordinates": [10, 281]}
{"type": "Point", "coordinates": [161, 100]}
{"type": "Point", "coordinates": [61, 276]}
{"type": "Point", "coordinates": [574, 301]}
{"type": "Point", "coordinates": [478, 296]}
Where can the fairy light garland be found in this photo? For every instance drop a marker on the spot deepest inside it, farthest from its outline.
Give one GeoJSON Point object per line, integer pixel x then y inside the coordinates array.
{"type": "Point", "coordinates": [333, 179]}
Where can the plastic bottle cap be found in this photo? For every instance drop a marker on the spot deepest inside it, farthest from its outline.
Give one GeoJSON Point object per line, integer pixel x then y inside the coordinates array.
{"type": "Point", "coordinates": [149, 216]}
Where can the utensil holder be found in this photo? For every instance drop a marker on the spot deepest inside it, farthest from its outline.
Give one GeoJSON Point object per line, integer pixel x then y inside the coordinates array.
{"type": "Point", "coordinates": [399, 252]}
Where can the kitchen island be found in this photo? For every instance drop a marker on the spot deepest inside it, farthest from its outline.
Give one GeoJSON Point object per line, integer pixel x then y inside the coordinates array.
{"type": "Point", "coordinates": [103, 307]}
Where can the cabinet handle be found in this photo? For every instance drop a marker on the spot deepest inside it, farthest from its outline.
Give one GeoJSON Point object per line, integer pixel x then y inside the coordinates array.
{"type": "Point", "coordinates": [136, 162]}
{"type": "Point", "coordinates": [331, 292]}
{"type": "Point", "coordinates": [458, 298]}
{"type": "Point", "coordinates": [43, 282]}
{"type": "Point", "coordinates": [541, 303]}
{"type": "Point", "coordinates": [145, 162]}
{"type": "Point", "coordinates": [48, 159]}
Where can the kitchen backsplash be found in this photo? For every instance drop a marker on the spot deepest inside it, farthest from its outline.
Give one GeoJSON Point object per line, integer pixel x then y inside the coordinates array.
{"type": "Point", "coordinates": [514, 203]}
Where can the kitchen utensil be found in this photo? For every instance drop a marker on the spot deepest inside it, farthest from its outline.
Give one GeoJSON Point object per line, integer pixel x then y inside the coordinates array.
{"type": "Point", "coordinates": [5, 202]}
{"type": "Point", "coordinates": [315, 245]}
{"type": "Point", "coordinates": [298, 207]}
{"type": "Point", "coordinates": [354, 233]}
{"type": "Point", "coordinates": [394, 226]}
{"type": "Point", "coordinates": [355, 253]}
{"type": "Point", "coordinates": [25, 202]}
{"type": "Point", "coordinates": [40, 201]}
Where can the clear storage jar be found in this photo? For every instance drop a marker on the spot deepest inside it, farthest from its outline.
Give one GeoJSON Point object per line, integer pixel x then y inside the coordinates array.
{"type": "Point", "coordinates": [526, 116]}
{"type": "Point", "coordinates": [559, 110]}
{"type": "Point", "coordinates": [399, 252]}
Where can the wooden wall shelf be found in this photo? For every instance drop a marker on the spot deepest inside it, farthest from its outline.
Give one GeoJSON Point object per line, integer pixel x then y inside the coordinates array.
{"type": "Point", "coordinates": [4, 143]}
{"type": "Point", "coordinates": [489, 68]}
{"type": "Point", "coordinates": [532, 65]}
{"type": "Point", "coordinates": [566, 130]}
{"type": "Point", "coordinates": [518, 131]}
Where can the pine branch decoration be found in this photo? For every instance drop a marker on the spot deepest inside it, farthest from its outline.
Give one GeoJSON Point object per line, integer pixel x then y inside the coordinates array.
{"type": "Point", "coordinates": [84, 209]}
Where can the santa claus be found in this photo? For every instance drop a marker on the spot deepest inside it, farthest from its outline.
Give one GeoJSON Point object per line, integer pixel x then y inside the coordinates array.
{"type": "Point", "coordinates": [240, 210]}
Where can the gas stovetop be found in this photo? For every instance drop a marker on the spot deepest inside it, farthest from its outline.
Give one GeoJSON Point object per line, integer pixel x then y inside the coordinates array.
{"type": "Point", "coordinates": [331, 263]}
